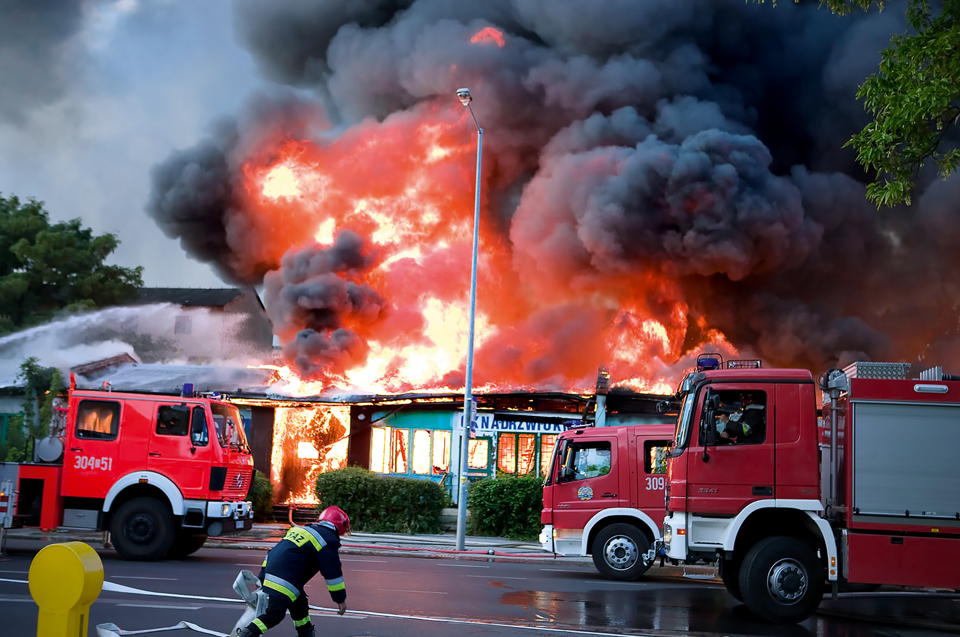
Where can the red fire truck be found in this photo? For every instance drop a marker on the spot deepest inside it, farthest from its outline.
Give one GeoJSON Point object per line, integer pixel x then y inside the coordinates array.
{"type": "Point", "coordinates": [867, 493]}
{"type": "Point", "coordinates": [604, 495]}
{"type": "Point", "coordinates": [160, 473]}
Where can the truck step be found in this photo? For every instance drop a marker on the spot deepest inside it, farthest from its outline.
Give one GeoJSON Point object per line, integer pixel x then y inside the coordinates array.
{"type": "Point", "coordinates": [700, 576]}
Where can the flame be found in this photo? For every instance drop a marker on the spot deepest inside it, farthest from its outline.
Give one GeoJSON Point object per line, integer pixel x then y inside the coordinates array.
{"type": "Point", "coordinates": [306, 442]}
{"type": "Point", "coordinates": [489, 34]}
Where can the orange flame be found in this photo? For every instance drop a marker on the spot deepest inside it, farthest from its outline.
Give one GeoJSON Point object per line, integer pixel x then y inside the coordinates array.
{"type": "Point", "coordinates": [306, 442]}
{"type": "Point", "coordinates": [489, 34]}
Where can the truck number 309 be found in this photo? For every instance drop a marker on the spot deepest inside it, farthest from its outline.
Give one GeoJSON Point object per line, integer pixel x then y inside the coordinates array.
{"type": "Point", "coordinates": [89, 462]}
{"type": "Point", "coordinates": [656, 483]}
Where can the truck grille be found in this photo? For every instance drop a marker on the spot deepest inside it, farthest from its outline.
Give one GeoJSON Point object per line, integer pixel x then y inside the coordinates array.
{"type": "Point", "coordinates": [237, 484]}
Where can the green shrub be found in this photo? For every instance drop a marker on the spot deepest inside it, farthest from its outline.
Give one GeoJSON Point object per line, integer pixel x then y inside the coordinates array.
{"type": "Point", "coordinates": [379, 504]}
{"type": "Point", "coordinates": [261, 495]}
{"type": "Point", "coordinates": [508, 506]}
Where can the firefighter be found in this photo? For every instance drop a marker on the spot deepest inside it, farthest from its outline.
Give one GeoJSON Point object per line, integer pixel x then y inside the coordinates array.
{"type": "Point", "coordinates": [746, 426]}
{"type": "Point", "coordinates": [289, 565]}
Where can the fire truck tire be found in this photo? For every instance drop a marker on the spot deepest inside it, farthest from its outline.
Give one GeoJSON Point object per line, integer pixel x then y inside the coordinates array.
{"type": "Point", "coordinates": [730, 574]}
{"type": "Point", "coordinates": [782, 580]}
{"type": "Point", "coordinates": [186, 544]}
{"type": "Point", "coordinates": [142, 529]}
{"type": "Point", "coordinates": [618, 552]}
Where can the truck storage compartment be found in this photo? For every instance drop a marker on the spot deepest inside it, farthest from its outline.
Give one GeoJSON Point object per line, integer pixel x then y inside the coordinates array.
{"type": "Point", "coordinates": [903, 560]}
{"type": "Point", "coordinates": [904, 461]}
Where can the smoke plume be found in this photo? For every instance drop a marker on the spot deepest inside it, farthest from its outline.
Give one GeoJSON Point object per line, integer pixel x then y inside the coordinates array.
{"type": "Point", "coordinates": [657, 177]}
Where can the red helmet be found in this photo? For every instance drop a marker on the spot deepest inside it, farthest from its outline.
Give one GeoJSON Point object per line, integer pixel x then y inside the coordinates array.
{"type": "Point", "coordinates": [338, 518]}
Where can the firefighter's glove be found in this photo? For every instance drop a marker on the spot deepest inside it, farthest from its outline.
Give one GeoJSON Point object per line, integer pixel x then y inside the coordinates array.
{"type": "Point", "coordinates": [341, 608]}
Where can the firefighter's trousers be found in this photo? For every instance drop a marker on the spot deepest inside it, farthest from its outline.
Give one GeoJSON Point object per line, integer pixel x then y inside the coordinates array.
{"type": "Point", "coordinates": [277, 606]}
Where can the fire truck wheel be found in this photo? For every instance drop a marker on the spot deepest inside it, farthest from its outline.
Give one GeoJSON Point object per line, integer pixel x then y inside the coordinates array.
{"type": "Point", "coordinates": [142, 529]}
{"type": "Point", "coordinates": [730, 574]}
{"type": "Point", "coordinates": [186, 544]}
{"type": "Point", "coordinates": [618, 552]}
{"type": "Point", "coordinates": [782, 580]}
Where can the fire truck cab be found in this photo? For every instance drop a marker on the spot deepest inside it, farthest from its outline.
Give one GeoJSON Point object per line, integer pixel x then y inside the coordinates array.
{"type": "Point", "coordinates": [161, 473]}
{"type": "Point", "coordinates": [869, 495]}
{"type": "Point", "coordinates": [604, 495]}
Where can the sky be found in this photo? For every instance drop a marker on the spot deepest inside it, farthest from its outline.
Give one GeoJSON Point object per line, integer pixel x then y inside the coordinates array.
{"type": "Point", "coordinates": [658, 177]}
{"type": "Point", "coordinates": [102, 91]}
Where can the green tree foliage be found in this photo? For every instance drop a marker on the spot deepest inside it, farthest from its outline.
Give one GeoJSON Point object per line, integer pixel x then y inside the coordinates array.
{"type": "Point", "coordinates": [914, 98]}
{"type": "Point", "coordinates": [508, 506]}
{"type": "Point", "coordinates": [46, 268]}
{"type": "Point", "coordinates": [261, 495]}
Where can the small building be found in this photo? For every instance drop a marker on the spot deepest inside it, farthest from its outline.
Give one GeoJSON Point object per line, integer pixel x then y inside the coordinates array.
{"type": "Point", "coordinates": [205, 325]}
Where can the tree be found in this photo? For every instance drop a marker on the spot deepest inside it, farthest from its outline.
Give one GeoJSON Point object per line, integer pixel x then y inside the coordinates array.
{"type": "Point", "coordinates": [914, 99]}
{"type": "Point", "coordinates": [47, 268]}
{"type": "Point", "coordinates": [41, 386]}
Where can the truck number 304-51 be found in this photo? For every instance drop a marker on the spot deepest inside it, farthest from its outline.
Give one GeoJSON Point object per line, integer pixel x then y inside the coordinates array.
{"type": "Point", "coordinates": [89, 462]}
{"type": "Point", "coordinates": [656, 483]}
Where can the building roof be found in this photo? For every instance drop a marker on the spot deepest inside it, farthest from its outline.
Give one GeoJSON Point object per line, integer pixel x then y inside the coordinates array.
{"type": "Point", "coordinates": [189, 297]}
{"type": "Point", "coordinates": [168, 379]}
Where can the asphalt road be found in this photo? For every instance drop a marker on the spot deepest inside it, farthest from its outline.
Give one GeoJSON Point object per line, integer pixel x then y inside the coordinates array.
{"type": "Point", "coordinates": [422, 597]}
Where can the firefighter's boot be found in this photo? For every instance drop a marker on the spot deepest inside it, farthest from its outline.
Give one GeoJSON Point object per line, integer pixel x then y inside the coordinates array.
{"type": "Point", "coordinates": [307, 630]}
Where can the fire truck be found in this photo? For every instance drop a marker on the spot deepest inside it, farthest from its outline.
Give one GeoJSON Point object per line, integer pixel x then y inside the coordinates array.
{"type": "Point", "coordinates": [159, 473]}
{"type": "Point", "coordinates": [604, 496]}
{"type": "Point", "coordinates": [865, 490]}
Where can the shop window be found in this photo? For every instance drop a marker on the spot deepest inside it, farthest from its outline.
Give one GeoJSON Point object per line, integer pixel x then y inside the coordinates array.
{"type": "Point", "coordinates": [527, 454]}
{"type": "Point", "coordinates": [398, 451]}
{"type": "Point", "coordinates": [98, 419]}
{"type": "Point", "coordinates": [478, 453]}
{"type": "Point", "coordinates": [507, 453]}
{"type": "Point", "coordinates": [655, 454]}
{"type": "Point", "coordinates": [378, 449]}
{"type": "Point", "coordinates": [547, 443]}
{"type": "Point", "coordinates": [421, 451]}
{"type": "Point", "coordinates": [441, 451]}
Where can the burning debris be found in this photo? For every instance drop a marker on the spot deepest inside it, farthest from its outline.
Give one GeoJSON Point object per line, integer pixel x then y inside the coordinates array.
{"type": "Point", "coordinates": [657, 177]}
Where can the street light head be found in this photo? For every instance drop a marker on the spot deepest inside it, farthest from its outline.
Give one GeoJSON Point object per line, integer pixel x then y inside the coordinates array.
{"type": "Point", "coordinates": [464, 95]}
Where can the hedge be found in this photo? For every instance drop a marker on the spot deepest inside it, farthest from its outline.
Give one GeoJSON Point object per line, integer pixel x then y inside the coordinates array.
{"type": "Point", "coordinates": [261, 495]}
{"type": "Point", "coordinates": [508, 506]}
{"type": "Point", "coordinates": [379, 504]}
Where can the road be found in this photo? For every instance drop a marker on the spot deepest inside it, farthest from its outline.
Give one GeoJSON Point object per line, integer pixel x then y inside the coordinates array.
{"type": "Point", "coordinates": [423, 597]}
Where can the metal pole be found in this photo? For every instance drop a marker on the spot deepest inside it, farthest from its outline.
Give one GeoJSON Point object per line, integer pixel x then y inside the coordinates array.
{"type": "Point", "coordinates": [468, 391]}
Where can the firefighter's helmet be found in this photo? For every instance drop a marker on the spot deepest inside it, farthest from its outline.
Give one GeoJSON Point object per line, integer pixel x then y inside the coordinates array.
{"type": "Point", "coordinates": [337, 517]}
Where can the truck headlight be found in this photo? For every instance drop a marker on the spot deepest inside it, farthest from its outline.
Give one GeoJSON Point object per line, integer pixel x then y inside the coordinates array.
{"type": "Point", "coordinates": [225, 509]}
{"type": "Point", "coordinates": [667, 534]}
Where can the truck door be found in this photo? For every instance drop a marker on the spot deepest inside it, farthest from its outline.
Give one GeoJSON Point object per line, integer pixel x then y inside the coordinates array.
{"type": "Point", "coordinates": [727, 472]}
{"type": "Point", "coordinates": [588, 481]}
{"type": "Point", "coordinates": [653, 453]}
{"type": "Point", "coordinates": [179, 447]}
{"type": "Point", "coordinates": [92, 454]}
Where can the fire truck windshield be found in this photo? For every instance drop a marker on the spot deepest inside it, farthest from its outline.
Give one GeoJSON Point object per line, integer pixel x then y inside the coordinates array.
{"type": "Point", "coordinates": [229, 426]}
{"type": "Point", "coordinates": [684, 421]}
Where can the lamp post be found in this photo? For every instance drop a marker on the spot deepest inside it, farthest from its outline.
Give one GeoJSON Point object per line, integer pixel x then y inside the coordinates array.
{"type": "Point", "coordinates": [465, 98]}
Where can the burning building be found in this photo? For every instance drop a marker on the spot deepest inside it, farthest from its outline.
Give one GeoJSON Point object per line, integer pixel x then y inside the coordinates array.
{"type": "Point", "coordinates": [657, 177]}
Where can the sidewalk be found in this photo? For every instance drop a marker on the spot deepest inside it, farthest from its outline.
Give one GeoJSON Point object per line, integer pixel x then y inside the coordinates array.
{"type": "Point", "coordinates": [891, 606]}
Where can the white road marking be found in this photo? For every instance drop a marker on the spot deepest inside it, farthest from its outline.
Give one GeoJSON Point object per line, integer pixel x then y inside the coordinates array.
{"type": "Point", "coordinates": [405, 590]}
{"type": "Point", "coordinates": [21, 572]}
{"type": "Point", "coordinates": [464, 565]}
{"type": "Point", "coordinates": [161, 606]}
{"type": "Point", "coordinates": [375, 570]}
{"type": "Point", "coordinates": [495, 577]}
{"type": "Point", "coordinates": [249, 565]}
{"type": "Point", "coordinates": [163, 579]}
{"type": "Point", "coordinates": [564, 570]}
{"type": "Point", "coordinates": [360, 560]}
{"type": "Point", "coordinates": [15, 599]}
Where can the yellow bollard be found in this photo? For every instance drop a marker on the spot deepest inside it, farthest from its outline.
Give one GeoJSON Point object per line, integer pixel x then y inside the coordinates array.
{"type": "Point", "coordinates": [64, 580]}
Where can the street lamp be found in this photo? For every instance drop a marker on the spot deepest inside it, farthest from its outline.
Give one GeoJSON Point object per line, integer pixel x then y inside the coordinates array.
{"type": "Point", "coordinates": [465, 98]}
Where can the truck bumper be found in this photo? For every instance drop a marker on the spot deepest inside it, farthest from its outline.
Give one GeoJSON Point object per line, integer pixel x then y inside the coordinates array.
{"type": "Point", "coordinates": [674, 537]}
{"type": "Point", "coordinates": [224, 518]}
{"type": "Point", "coordinates": [546, 538]}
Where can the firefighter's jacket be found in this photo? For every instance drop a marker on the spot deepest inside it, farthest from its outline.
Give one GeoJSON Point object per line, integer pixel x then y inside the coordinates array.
{"type": "Point", "coordinates": [302, 552]}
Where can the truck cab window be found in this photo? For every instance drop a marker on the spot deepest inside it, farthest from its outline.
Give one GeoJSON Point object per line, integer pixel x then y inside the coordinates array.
{"type": "Point", "coordinates": [198, 427]}
{"type": "Point", "coordinates": [173, 421]}
{"type": "Point", "coordinates": [741, 418]}
{"type": "Point", "coordinates": [98, 420]}
{"type": "Point", "coordinates": [589, 460]}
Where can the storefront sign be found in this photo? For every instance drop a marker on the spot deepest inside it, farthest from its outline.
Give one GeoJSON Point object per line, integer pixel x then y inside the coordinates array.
{"type": "Point", "coordinates": [486, 424]}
